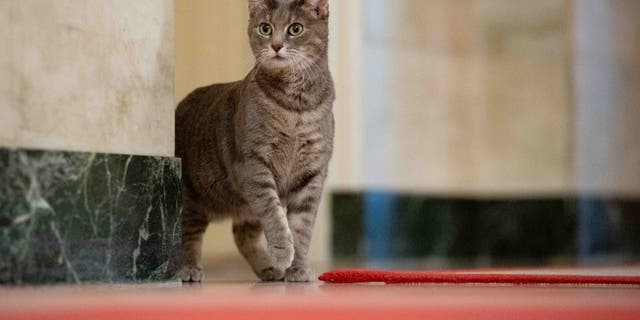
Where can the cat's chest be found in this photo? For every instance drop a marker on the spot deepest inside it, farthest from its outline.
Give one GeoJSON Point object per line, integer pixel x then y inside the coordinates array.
{"type": "Point", "coordinates": [296, 142]}
{"type": "Point", "coordinates": [292, 139]}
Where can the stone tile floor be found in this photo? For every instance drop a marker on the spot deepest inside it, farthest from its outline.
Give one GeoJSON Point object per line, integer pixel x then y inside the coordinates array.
{"type": "Point", "coordinates": [217, 299]}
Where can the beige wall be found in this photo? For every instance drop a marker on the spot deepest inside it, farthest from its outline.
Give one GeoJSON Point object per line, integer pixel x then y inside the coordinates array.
{"type": "Point", "coordinates": [211, 43]}
{"type": "Point", "coordinates": [489, 97]}
{"type": "Point", "coordinates": [87, 75]}
{"type": "Point", "coordinates": [347, 63]}
{"type": "Point", "coordinates": [468, 97]}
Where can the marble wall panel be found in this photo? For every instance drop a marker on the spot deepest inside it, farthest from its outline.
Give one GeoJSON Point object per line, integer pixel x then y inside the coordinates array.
{"type": "Point", "coordinates": [93, 76]}
{"type": "Point", "coordinates": [85, 217]}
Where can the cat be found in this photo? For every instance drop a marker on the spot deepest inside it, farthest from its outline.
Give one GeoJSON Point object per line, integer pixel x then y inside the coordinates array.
{"type": "Point", "coordinates": [257, 151]}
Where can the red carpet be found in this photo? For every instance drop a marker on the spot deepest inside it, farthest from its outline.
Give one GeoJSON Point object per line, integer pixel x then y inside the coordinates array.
{"type": "Point", "coordinates": [281, 301]}
{"type": "Point", "coordinates": [399, 277]}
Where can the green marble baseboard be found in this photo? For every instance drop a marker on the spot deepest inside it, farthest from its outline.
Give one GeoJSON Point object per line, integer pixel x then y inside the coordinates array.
{"type": "Point", "coordinates": [68, 217]}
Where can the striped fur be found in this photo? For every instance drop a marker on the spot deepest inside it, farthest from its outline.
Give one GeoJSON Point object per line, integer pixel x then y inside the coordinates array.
{"type": "Point", "coordinates": [257, 150]}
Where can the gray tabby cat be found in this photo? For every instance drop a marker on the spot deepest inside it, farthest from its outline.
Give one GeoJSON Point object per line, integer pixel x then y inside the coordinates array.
{"type": "Point", "coordinates": [257, 150]}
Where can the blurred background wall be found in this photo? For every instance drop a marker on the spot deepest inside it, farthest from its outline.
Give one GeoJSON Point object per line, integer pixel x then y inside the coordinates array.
{"type": "Point", "coordinates": [504, 101]}
{"type": "Point", "coordinates": [607, 88]}
{"type": "Point", "coordinates": [211, 43]}
{"type": "Point", "coordinates": [473, 96]}
{"type": "Point", "coordinates": [87, 75]}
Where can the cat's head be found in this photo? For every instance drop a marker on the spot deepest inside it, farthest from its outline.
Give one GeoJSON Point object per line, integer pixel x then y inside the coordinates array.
{"type": "Point", "coordinates": [289, 34]}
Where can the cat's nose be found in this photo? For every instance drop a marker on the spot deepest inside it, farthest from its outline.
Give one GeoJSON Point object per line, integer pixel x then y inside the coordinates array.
{"type": "Point", "coordinates": [277, 47]}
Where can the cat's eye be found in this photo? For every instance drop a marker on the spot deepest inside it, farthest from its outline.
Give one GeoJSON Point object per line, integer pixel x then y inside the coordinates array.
{"type": "Point", "coordinates": [295, 29]}
{"type": "Point", "coordinates": [265, 29]}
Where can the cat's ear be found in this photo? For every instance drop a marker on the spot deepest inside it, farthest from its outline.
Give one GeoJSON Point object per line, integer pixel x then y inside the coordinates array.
{"type": "Point", "coordinates": [320, 7]}
{"type": "Point", "coordinates": [256, 6]}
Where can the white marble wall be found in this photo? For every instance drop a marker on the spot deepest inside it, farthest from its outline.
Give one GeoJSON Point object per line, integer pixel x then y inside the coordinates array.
{"type": "Point", "coordinates": [87, 75]}
{"type": "Point", "coordinates": [470, 97]}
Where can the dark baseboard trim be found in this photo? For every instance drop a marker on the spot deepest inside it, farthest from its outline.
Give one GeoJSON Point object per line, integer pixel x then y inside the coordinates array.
{"type": "Point", "coordinates": [379, 226]}
{"type": "Point", "coordinates": [72, 217]}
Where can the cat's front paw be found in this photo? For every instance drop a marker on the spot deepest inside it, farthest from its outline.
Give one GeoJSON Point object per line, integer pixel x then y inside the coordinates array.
{"type": "Point", "coordinates": [271, 274]}
{"type": "Point", "coordinates": [299, 274]}
{"type": "Point", "coordinates": [282, 254]}
{"type": "Point", "coordinates": [192, 274]}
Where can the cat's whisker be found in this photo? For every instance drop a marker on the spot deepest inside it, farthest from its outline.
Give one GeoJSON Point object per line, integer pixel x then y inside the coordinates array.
{"type": "Point", "coordinates": [303, 65]}
{"type": "Point", "coordinates": [292, 72]}
{"type": "Point", "coordinates": [261, 58]}
{"type": "Point", "coordinates": [311, 56]}
{"type": "Point", "coordinates": [305, 68]}
{"type": "Point", "coordinates": [309, 63]}
{"type": "Point", "coordinates": [312, 63]}
{"type": "Point", "coordinates": [295, 58]}
{"type": "Point", "coordinates": [300, 68]}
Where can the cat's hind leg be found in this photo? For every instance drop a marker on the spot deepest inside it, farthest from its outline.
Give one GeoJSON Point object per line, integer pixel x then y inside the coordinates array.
{"type": "Point", "coordinates": [248, 238]}
{"type": "Point", "coordinates": [194, 225]}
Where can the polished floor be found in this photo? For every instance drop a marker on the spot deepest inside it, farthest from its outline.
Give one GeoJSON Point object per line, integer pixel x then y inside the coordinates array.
{"type": "Point", "coordinates": [250, 300]}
